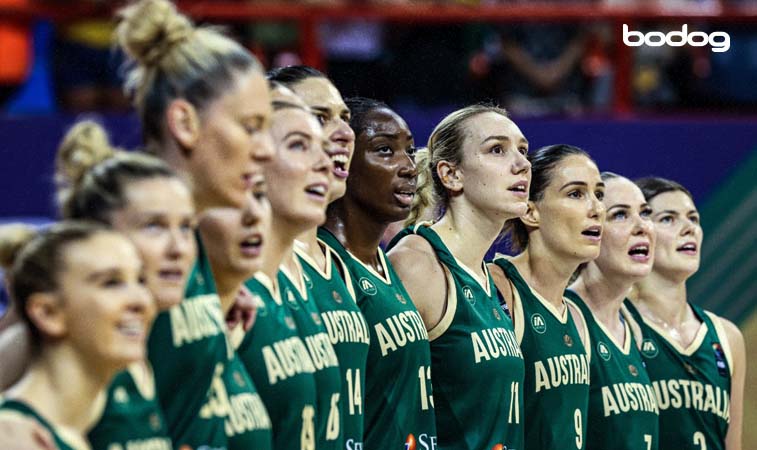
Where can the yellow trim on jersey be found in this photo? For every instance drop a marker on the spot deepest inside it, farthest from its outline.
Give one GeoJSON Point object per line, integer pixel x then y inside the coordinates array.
{"type": "Point", "coordinates": [518, 320]}
{"type": "Point", "coordinates": [302, 253]}
{"type": "Point", "coordinates": [236, 335]}
{"type": "Point", "coordinates": [633, 324]}
{"type": "Point", "coordinates": [693, 346]}
{"type": "Point", "coordinates": [561, 317]}
{"type": "Point", "coordinates": [723, 337]}
{"type": "Point", "coordinates": [586, 336]}
{"type": "Point", "coordinates": [625, 348]}
{"type": "Point", "coordinates": [143, 378]}
{"type": "Point", "coordinates": [271, 286]}
{"type": "Point", "coordinates": [386, 278]}
{"type": "Point", "coordinates": [450, 308]}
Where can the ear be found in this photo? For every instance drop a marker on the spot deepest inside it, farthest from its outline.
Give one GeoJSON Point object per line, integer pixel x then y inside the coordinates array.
{"type": "Point", "coordinates": [45, 311]}
{"type": "Point", "coordinates": [531, 217]}
{"type": "Point", "coordinates": [450, 175]}
{"type": "Point", "coordinates": [183, 123]}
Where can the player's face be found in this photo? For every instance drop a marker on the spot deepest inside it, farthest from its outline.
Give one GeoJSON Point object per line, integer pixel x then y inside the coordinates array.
{"type": "Point", "coordinates": [326, 103]}
{"type": "Point", "coordinates": [106, 310]}
{"type": "Point", "coordinates": [495, 168]}
{"type": "Point", "coordinates": [679, 233]}
{"type": "Point", "coordinates": [234, 143]}
{"type": "Point", "coordinates": [383, 172]}
{"type": "Point", "coordinates": [300, 174]}
{"type": "Point", "coordinates": [627, 248]}
{"type": "Point", "coordinates": [571, 212]}
{"type": "Point", "coordinates": [159, 220]}
{"type": "Point", "coordinates": [235, 237]}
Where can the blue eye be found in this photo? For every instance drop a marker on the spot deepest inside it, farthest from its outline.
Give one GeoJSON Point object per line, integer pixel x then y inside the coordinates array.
{"type": "Point", "coordinates": [620, 215]}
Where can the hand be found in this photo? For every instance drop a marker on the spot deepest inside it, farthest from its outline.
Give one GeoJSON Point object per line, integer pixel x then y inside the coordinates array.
{"type": "Point", "coordinates": [243, 310]}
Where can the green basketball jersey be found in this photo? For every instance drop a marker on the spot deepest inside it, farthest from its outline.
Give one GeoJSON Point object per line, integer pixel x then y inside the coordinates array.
{"type": "Point", "coordinates": [399, 406]}
{"type": "Point", "coordinates": [556, 386]}
{"type": "Point", "coordinates": [281, 368]}
{"type": "Point", "coordinates": [298, 297]}
{"type": "Point", "coordinates": [131, 418]}
{"type": "Point", "coordinates": [692, 385]}
{"type": "Point", "coordinates": [348, 333]}
{"type": "Point", "coordinates": [623, 412]}
{"type": "Point", "coordinates": [474, 355]}
{"type": "Point", "coordinates": [12, 407]}
{"type": "Point", "coordinates": [187, 347]}
{"type": "Point", "coordinates": [233, 395]}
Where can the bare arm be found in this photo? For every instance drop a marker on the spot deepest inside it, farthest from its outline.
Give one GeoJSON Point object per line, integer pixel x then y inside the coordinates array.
{"type": "Point", "coordinates": [423, 277]}
{"type": "Point", "coordinates": [738, 350]}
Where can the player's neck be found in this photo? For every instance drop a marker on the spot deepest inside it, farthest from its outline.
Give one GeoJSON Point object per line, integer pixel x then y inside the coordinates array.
{"type": "Point", "coordinates": [308, 241]}
{"type": "Point", "coordinates": [603, 295]}
{"type": "Point", "coordinates": [278, 246]}
{"type": "Point", "coordinates": [357, 230]}
{"type": "Point", "coordinates": [64, 388]}
{"type": "Point", "coordinates": [547, 276]}
{"type": "Point", "coordinates": [468, 235]}
{"type": "Point", "coordinates": [665, 299]}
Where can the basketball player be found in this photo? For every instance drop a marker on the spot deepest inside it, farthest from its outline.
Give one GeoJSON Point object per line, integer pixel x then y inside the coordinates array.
{"type": "Point", "coordinates": [399, 406]}
{"type": "Point", "coordinates": [478, 172]}
{"type": "Point", "coordinates": [205, 109]}
{"type": "Point", "coordinates": [560, 230]}
{"type": "Point", "coordinates": [623, 410]}
{"type": "Point", "coordinates": [695, 359]}
{"type": "Point", "coordinates": [78, 288]}
{"type": "Point", "coordinates": [324, 272]}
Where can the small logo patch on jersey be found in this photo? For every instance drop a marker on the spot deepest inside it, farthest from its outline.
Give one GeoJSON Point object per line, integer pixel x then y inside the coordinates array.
{"type": "Point", "coordinates": [538, 323]}
{"type": "Point", "coordinates": [316, 318]}
{"type": "Point", "coordinates": [496, 313]}
{"type": "Point", "coordinates": [290, 323]}
{"type": "Point", "coordinates": [568, 340]}
{"type": "Point", "coordinates": [689, 368]}
{"type": "Point", "coordinates": [400, 298]}
{"type": "Point", "coordinates": [120, 395]}
{"type": "Point", "coordinates": [720, 359]}
{"type": "Point", "coordinates": [238, 378]}
{"type": "Point", "coordinates": [410, 443]}
{"type": "Point", "coordinates": [292, 301]}
{"type": "Point", "coordinates": [337, 298]}
{"type": "Point", "coordinates": [154, 421]}
{"type": "Point", "coordinates": [308, 281]}
{"type": "Point", "coordinates": [604, 351]}
{"type": "Point", "coordinates": [649, 348]}
{"type": "Point", "coordinates": [499, 447]}
{"type": "Point", "coordinates": [367, 286]}
{"type": "Point", "coordinates": [468, 294]}
{"type": "Point", "coordinates": [634, 371]}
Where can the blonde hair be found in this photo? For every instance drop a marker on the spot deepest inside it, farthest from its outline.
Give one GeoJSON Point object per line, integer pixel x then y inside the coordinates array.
{"type": "Point", "coordinates": [91, 175]}
{"type": "Point", "coordinates": [444, 144]}
{"type": "Point", "coordinates": [172, 58]}
{"type": "Point", "coordinates": [424, 206]}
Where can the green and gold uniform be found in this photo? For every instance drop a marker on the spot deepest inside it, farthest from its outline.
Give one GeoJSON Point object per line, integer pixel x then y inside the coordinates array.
{"type": "Point", "coordinates": [10, 408]}
{"type": "Point", "coordinates": [348, 333]}
{"type": "Point", "coordinates": [281, 368]}
{"type": "Point", "coordinates": [187, 348]}
{"type": "Point", "coordinates": [474, 355]}
{"type": "Point", "coordinates": [131, 418]}
{"type": "Point", "coordinates": [556, 387]}
{"type": "Point", "coordinates": [623, 412]}
{"type": "Point", "coordinates": [328, 384]}
{"type": "Point", "coordinates": [692, 385]}
{"type": "Point", "coordinates": [399, 406]}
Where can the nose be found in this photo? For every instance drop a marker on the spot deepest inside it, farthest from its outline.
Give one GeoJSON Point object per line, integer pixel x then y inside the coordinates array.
{"type": "Point", "coordinates": [642, 226]}
{"type": "Point", "coordinates": [688, 227]}
{"type": "Point", "coordinates": [343, 134]}
{"type": "Point", "coordinates": [596, 208]}
{"type": "Point", "coordinates": [262, 149]}
{"type": "Point", "coordinates": [407, 167]}
{"type": "Point", "coordinates": [141, 302]}
{"type": "Point", "coordinates": [254, 211]}
{"type": "Point", "coordinates": [521, 165]}
{"type": "Point", "coordinates": [323, 163]}
{"type": "Point", "coordinates": [180, 243]}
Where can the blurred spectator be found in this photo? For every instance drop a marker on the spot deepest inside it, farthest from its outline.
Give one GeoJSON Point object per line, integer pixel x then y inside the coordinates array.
{"type": "Point", "coordinates": [15, 51]}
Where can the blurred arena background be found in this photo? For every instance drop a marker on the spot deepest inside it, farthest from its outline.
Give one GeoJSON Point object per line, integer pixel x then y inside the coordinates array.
{"type": "Point", "coordinates": [560, 68]}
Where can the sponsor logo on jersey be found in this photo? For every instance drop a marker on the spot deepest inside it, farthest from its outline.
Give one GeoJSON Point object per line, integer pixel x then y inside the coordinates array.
{"type": "Point", "coordinates": [290, 323]}
{"type": "Point", "coordinates": [154, 421]}
{"type": "Point", "coordinates": [292, 300]}
{"type": "Point", "coordinates": [400, 298]}
{"type": "Point", "coordinates": [352, 444]}
{"type": "Point", "coordinates": [538, 323]}
{"type": "Point", "coordinates": [316, 318]}
{"type": "Point", "coordinates": [634, 371]}
{"type": "Point", "coordinates": [499, 447]}
{"type": "Point", "coordinates": [337, 298]}
{"type": "Point", "coordinates": [604, 351]}
{"type": "Point", "coordinates": [308, 281]}
{"type": "Point", "coordinates": [567, 340]}
{"type": "Point", "coordinates": [720, 359]}
{"type": "Point", "coordinates": [649, 348]}
{"type": "Point", "coordinates": [367, 286]}
{"type": "Point", "coordinates": [496, 314]}
{"type": "Point", "coordinates": [238, 378]}
{"type": "Point", "coordinates": [120, 395]}
{"type": "Point", "coordinates": [410, 443]}
{"type": "Point", "coordinates": [468, 294]}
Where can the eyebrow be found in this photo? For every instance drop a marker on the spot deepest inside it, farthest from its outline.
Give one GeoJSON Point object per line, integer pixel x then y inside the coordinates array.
{"type": "Point", "coordinates": [503, 138]}
{"type": "Point", "coordinates": [104, 273]}
{"type": "Point", "coordinates": [667, 211]}
{"type": "Point", "coordinates": [298, 133]}
{"type": "Point", "coordinates": [580, 183]}
{"type": "Point", "coordinates": [390, 135]}
{"type": "Point", "coordinates": [621, 205]}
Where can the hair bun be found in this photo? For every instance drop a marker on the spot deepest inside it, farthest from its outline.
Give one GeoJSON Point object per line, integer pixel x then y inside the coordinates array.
{"type": "Point", "coordinates": [149, 29]}
{"type": "Point", "coordinates": [85, 145]}
{"type": "Point", "coordinates": [13, 237]}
